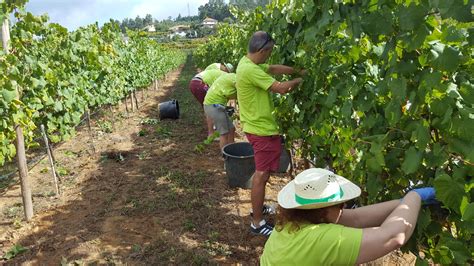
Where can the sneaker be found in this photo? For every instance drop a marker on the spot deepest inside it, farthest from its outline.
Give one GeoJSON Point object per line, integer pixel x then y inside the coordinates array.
{"type": "Point", "coordinates": [267, 209]}
{"type": "Point", "coordinates": [264, 229]}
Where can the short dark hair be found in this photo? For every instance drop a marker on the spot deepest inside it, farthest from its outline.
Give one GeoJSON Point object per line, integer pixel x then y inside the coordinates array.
{"type": "Point", "coordinates": [260, 40]}
{"type": "Point", "coordinates": [297, 217]}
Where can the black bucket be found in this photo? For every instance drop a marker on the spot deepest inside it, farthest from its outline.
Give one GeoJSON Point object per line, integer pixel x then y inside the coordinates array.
{"type": "Point", "coordinates": [169, 109]}
{"type": "Point", "coordinates": [239, 164]}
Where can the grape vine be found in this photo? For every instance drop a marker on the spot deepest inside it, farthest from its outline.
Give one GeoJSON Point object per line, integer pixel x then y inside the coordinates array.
{"type": "Point", "coordinates": [61, 74]}
{"type": "Point", "coordinates": [388, 100]}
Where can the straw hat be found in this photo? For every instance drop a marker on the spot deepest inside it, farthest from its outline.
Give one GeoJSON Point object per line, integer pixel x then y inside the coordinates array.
{"type": "Point", "coordinates": [317, 188]}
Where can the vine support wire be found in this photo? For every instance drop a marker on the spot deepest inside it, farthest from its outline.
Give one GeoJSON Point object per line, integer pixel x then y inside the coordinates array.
{"type": "Point", "coordinates": [20, 142]}
{"type": "Point", "coordinates": [51, 160]}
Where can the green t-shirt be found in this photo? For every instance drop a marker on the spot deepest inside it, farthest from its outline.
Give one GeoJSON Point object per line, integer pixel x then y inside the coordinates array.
{"type": "Point", "coordinates": [255, 102]}
{"type": "Point", "coordinates": [213, 66]}
{"type": "Point", "coordinates": [313, 244]}
{"type": "Point", "coordinates": [209, 76]}
{"type": "Point", "coordinates": [221, 90]}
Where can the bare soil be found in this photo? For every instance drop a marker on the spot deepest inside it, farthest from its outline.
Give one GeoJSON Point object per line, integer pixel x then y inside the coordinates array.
{"type": "Point", "coordinates": [137, 192]}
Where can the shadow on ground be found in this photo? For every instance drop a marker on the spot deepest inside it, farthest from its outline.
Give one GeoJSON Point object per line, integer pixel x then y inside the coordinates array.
{"type": "Point", "coordinates": [156, 201]}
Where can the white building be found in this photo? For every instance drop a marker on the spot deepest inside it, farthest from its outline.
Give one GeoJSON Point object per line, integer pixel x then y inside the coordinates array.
{"type": "Point", "coordinates": [150, 28]}
{"type": "Point", "coordinates": [209, 22]}
{"type": "Point", "coordinates": [179, 30]}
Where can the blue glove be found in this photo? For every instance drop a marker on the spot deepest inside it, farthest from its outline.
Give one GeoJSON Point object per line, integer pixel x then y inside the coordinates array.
{"type": "Point", "coordinates": [427, 194]}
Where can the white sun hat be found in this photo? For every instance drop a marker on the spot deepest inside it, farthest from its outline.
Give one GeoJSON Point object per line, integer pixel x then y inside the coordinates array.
{"type": "Point", "coordinates": [316, 188]}
{"type": "Point", "coordinates": [229, 67]}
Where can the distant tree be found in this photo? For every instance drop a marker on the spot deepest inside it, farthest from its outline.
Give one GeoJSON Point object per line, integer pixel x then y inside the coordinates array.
{"type": "Point", "coordinates": [216, 9]}
{"type": "Point", "coordinates": [148, 20]}
{"type": "Point", "coordinates": [249, 4]}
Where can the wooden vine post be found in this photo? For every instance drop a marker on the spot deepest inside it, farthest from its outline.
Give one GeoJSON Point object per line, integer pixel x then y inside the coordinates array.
{"type": "Point", "coordinates": [20, 143]}
{"type": "Point", "coordinates": [50, 157]}
{"type": "Point", "coordinates": [91, 134]}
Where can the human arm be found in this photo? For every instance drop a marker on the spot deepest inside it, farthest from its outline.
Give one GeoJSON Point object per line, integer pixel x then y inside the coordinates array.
{"type": "Point", "coordinates": [282, 69]}
{"type": "Point", "coordinates": [394, 232]}
{"type": "Point", "coordinates": [368, 216]}
{"type": "Point", "coordinates": [286, 86]}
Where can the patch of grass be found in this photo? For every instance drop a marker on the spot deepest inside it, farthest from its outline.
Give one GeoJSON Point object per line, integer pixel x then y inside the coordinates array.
{"type": "Point", "coordinates": [141, 206]}
{"type": "Point", "coordinates": [13, 211]}
{"type": "Point", "coordinates": [162, 131]}
{"type": "Point", "coordinates": [103, 158]}
{"type": "Point", "coordinates": [44, 170]}
{"type": "Point", "coordinates": [105, 126]}
{"type": "Point", "coordinates": [213, 247]}
{"type": "Point", "coordinates": [14, 251]}
{"type": "Point", "coordinates": [62, 171]}
{"type": "Point", "coordinates": [136, 248]}
{"type": "Point", "coordinates": [189, 225]}
{"type": "Point", "coordinates": [150, 121]}
{"type": "Point", "coordinates": [69, 153]}
{"type": "Point", "coordinates": [142, 133]}
{"type": "Point", "coordinates": [143, 155]}
{"type": "Point", "coordinates": [213, 236]}
{"type": "Point", "coordinates": [199, 148]}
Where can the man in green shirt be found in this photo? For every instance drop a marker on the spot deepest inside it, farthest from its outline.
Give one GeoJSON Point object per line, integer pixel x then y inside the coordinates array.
{"type": "Point", "coordinates": [221, 91]}
{"type": "Point", "coordinates": [199, 85]}
{"type": "Point", "coordinates": [254, 87]}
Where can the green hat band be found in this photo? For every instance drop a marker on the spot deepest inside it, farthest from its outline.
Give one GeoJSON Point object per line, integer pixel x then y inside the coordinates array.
{"type": "Point", "coordinates": [305, 201]}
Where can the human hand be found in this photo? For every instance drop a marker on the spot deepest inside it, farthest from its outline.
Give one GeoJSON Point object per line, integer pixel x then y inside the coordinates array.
{"type": "Point", "coordinates": [298, 80]}
{"type": "Point", "coordinates": [427, 194]}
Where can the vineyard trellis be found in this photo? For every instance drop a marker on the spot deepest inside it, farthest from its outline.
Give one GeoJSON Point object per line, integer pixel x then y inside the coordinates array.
{"type": "Point", "coordinates": [388, 100]}
{"type": "Point", "coordinates": [52, 77]}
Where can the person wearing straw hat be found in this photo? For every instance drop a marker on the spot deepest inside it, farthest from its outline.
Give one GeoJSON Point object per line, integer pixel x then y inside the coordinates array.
{"type": "Point", "coordinates": [313, 228]}
{"type": "Point", "coordinates": [255, 85]}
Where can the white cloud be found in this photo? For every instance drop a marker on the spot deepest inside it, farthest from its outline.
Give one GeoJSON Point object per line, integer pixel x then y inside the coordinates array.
{"type": "Point", "coordinates": [76, 13]}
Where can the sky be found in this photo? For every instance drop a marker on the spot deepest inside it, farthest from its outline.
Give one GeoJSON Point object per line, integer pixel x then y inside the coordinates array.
{"type": "Point", "coordinates": [75, 13]}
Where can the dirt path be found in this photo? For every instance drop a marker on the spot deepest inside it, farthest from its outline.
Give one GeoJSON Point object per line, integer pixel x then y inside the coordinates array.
{"type": "Point", "coordinates": [144, 197]}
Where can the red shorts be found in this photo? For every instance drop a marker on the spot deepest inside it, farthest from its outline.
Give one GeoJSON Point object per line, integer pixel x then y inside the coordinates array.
{"type": "Point", "coordinates": [267, 151]}
{"type": "Point", "coordinates": [198, 89]}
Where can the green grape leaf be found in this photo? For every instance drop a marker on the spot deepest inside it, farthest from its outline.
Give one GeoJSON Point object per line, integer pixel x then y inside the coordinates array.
{"type": "Point", "coordinates": [8, 95]}
{"type": "Point", "coordinates": [411, 16]}
{"type": "Point", "coordinates": [448, 60]}
{"type": "Point", "coordinates": [468, 214]}
{"type": "Point", "coordinates": [393, 112]}
{"type": "Point", "coordinates": [459, 253]}
{"type": "Point", "coordinates": [449, 191]}
{"type": "Point", "coordinates": [412, 160]}
{"type": "Point", "coordinates": [377, 23]}
{"type": "Point", "coordinates": [456, 9]}
{"type": "Point", "coordinates": [424, 219]}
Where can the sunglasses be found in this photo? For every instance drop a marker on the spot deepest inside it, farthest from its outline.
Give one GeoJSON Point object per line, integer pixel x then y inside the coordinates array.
{"type": "Point", "coordinates": [268, 39]}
